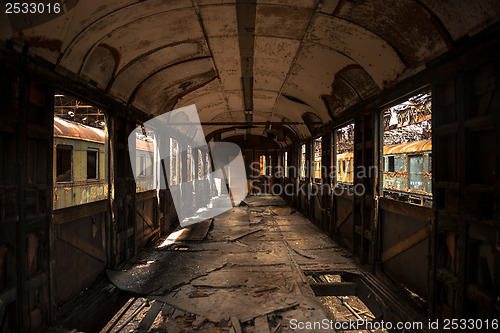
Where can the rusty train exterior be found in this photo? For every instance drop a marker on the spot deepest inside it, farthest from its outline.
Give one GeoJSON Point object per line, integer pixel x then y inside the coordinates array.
{"type": "Point", "coordinates": [80, 164]}
{"type": "Point", "coordinates": [406, 171]}
{"type": "Point", "coordinates": [80, 174]}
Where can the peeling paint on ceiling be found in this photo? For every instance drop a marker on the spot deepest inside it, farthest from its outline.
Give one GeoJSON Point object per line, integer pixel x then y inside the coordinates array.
{"type": "Point", "coordinates": [329, 55]}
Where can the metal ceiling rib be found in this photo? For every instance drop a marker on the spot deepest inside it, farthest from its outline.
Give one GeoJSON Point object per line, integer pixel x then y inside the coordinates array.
{"type": "Point", "coordinates": [295, 57]}
{"type": "Point", "coordinates": [245, 13]}
{"type": "Point", "coordinates": [206, 28]}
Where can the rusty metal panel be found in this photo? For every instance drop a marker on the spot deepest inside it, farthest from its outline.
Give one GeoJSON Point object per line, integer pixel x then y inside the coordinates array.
{"type": "Point", "coordinates": [412, 173]}
{"type": "Point", "coordinates": [411, 147]}
{"type": "Point", "coordinates": [73, 130]}
{"type": "Point", "coordinates": [415, 172]}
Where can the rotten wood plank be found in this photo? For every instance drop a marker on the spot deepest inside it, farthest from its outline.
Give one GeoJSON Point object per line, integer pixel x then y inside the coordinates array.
{"type": "Point", "coordinates": [149, 318]}
{"type": "Point", "coordinates": [196, 232]}
{"type": "Point", "coordinates": [167, 310]}
{"type": "Point", "coordinates": [335, 289]}
{"type": "Point", "coordinates": [232, 239]}
{"type": "Point", "coordinates": [302, 254]}
{"type": "Point", "coordinates": [116, 318]}
{"type": "Point", "coordinates": [145, 217]}
{"type": "Point", "coordinates": [81, 244]}
{"type": "Point", "coordinates": [198, 322]}
{"type": "Point", "coordinates": [145, 195]}
{"type": "Point", "coordinates": [406, 209]}
{"type": "Point", "coordinates": [236, 324]}
{"type": "Point", "coordinates": [344, 217]}
{"type": "Point", "coordinates": [405, 244]}
{"type": "Point", "coordinates": [77, 212]}
{"type": "Point", "coordinates": [261, 324]}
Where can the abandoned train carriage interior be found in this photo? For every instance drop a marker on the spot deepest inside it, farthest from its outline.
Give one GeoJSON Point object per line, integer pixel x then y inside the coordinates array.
{"type": "Point", "coordinates": [370, 136]}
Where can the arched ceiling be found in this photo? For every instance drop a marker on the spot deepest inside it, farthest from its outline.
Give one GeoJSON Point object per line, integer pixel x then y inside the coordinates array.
{"type": "Point", "coordinates": [248, 60]}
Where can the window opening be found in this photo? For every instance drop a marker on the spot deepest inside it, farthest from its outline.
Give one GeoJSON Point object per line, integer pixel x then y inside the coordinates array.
{"type": "Point", "coordinates": [190, 164]}
{"type": "Point", "coordinates": [92, 163]}
{"type": "Point", "coordinates": [302, 162]}
{"type": "Point", "coordinates": [146, 157]}
{"type": "Point", "coordinates": [200, 165]}
{"type": "Point", "coordinates": [80, 152]}
{"type": "Point", "coordinates": [263, 165]}
{"type": "Point", "coordinates": [174, 162]}
{"type": "Point", "coordinates": [64, 162]}
{"type": "Point", "coordinates": [317, 158]}
{"type": "Point", "coordinates": [285, 164]}
{"type": "Point", "coordinates": [407, 150]}
{"type": "Point", "coordinates": [344, 151]}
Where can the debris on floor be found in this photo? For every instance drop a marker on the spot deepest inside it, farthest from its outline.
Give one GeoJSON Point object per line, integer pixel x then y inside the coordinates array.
{"type": "Point", "coordinates": [246, 274]}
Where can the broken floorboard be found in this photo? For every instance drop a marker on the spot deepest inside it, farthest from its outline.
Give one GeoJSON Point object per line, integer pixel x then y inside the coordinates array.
{"type": "Point", "coordinates": [249, 270]}
{"type": "Point", "coordinates": [264, 200]}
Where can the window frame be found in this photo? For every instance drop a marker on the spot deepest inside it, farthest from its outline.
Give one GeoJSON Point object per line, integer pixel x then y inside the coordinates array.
{"type": "Point", "coordinates": [96, 151]}
{"type": "Point", "coordinates": [69, 148]}
{"type": "Point", "coordinates": [174, 166]}
{"type": "Point", "coordinates": [409, 169]}
{"type": "Point", "coordinates": [200, 166]}
{"type": "Point", "coordinates": [189, 164]}
{"type": "Point", "coordinates": [342, 168]}
{"type": "Point", "coordinates": [285, 164]}
{"type": "Point", "coordinates": [207, 163]}
{"type": "Point", "coordinates": [302, 162]}
{"type": "Point", "coordinates": [62, 100]}
{"type": "Point", "coordinates": [142, 165]}
{"type": "Point", "coordinates": [388, 163]}
{"type": "Point", "coordinates": [262, 164]}
{"type": "Point", "coordinates": [313, 159]}
{"type": "Point", "coordinates": [269, 167]}
{"type": "Point", "coordinates": [391, 164]}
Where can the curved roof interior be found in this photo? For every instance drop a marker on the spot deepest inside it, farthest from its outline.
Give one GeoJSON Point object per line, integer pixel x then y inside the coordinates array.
{"type": "Point", "coordinates": [250, 60]}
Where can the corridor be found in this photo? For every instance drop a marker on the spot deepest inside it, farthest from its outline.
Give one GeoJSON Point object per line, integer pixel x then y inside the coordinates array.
{"type": "Point", "coordinates": [251, 269]}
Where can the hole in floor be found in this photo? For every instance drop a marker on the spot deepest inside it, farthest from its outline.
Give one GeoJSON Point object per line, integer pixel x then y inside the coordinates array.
{"type": "Point", "coordinates": [341, 308]}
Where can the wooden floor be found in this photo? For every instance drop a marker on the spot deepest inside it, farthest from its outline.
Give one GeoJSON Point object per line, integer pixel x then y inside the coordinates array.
{"type": "Point", "coordinates": [245, 271]}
